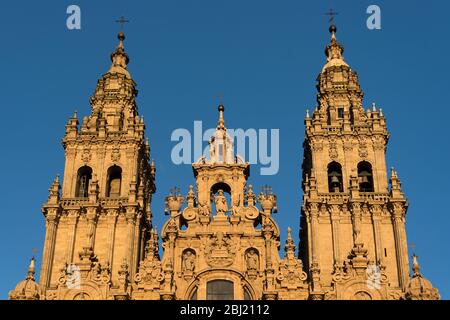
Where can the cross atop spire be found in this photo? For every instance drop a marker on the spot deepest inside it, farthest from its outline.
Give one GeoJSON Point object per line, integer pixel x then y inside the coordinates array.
{"type": "Point", "coordinates": [332, 14]}
{"type": "Point", "coordinates": [122, 22]}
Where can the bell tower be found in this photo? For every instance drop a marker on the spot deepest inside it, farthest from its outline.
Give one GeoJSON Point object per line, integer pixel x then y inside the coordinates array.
{"type": "Point", "coordinates": [97, 227]}
{"type": "Point", "coordinates": [352, 224]}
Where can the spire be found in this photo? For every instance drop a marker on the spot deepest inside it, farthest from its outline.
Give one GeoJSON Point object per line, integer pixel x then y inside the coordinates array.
{"type": "Point", "coordinates": [119, 58]}
{"type": "Point", "coordinates": [334, 51]}
{"type": "Point", "coordinates": [220, 144]}
{"type": "Point", "coordinates": [54, 195]}
{"type": "Point", "coordinates": [290, 246]}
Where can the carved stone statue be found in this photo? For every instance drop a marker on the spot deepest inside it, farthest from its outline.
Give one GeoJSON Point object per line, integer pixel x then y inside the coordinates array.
{"type": "Point", "coordinates": [203, 209]}
{"type": "Point", "coordinates": [188, 261]}
{"type": "Point", "coordinates": [235, 207]}
{"type": "Point", "coordinates": [356, 230]}
{"type": "Point", "coordinates": [221, 203]}
{"type": "Point", "coordinates": [212, 149]}
{"type": "Point", "coordinates": [251, 257]}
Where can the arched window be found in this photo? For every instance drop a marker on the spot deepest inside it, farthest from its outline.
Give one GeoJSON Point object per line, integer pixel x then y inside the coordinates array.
{"type": "Point", "coordinates": [335, 177]}
{"type": "Point", "coordinates": [194, 295]}
{"type": "Point", "coordinates": [247, 295]}
{"type": "Point", "coordinates": [114, 182]}
{"type": "Point", "coordinates": [365, 177]}
{"type": "Point", "coordinates": [220, 290]}
{"type": "Point", "coordinates": [84, 176]}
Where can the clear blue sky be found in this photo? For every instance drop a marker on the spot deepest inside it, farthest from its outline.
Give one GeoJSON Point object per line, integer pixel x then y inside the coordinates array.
{"type": "Point", "coordinates": [264, 56]}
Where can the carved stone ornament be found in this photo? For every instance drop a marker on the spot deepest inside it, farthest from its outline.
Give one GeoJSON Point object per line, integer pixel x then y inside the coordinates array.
{"type": "Point", "coordinates": [251, 212]}
{"type": "Point", "coordinates": [86, 155]}
{"type": "Point", "coordinates": [190, 214]}
{"type": "Point", "coordinates": [333, 150]}
{"type": "Point", "coordinates": [115, 155]}
{"type": "Point", "coordinates": [363, 153]}
{"type": "Point", "coordinates": [219, 251]}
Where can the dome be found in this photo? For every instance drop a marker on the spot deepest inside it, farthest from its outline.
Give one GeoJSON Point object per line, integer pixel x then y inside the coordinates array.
{"type": "Point", "coordinates": [420, 288]}
{"type": "Point", "coordinates": [26, 289]}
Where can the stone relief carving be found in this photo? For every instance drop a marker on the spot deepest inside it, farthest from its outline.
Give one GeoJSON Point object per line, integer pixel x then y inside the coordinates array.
{"type": "Point", "coordinates": [115, 155]}
{"type": "Point", "coordinates": [219, 250]}
{"type": "Point", "coordinates": [86, 155]}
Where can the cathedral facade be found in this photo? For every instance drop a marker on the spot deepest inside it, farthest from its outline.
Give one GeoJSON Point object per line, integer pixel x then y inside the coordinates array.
{"type": "Point", "coordinates": [220, 240]}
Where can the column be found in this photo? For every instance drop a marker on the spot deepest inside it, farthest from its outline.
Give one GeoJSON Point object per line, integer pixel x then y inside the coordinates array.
{"type": "Point", "coordinates": [376, 218]}
{"type": "Point", "coordinates": [111, 222]}
{"type": "Point", "coordinates": [335, 210]}
{"type": "Point", "coordinates": [400, 245]}
{"type": "Point", "coordinates": [72, 220]}
{"type": "Point", "coordinates": [49, 247]}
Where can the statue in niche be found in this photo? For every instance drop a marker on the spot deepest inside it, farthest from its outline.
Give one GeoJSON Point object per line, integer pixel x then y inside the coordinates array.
{"type": "Point", "coordinates": [221, 203]}
{"type": "Point", "coordinates": [188, 261]}
{"type": "Point", "coordinates": [251, 257]}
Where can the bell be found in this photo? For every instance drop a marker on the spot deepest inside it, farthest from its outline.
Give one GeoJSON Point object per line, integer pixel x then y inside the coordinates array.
{"type": "Point", "coordinates": [363, 179]}
{"type": "Point", "coordinates": [334, 180]}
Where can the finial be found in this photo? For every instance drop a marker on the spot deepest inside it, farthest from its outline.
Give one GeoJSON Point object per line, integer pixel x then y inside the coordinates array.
{"type": "Point", "coordinates": [416, 266]}
{"type": "Point", "coordinates": [221, 123]}
{"type": "Point", "coordinates": [119, 57]}
{"type": "Point", "coordinates": [334, 51]}
{"type": "Point", "coordinates": [307, 113]}
{"type": "Point", "coordinates": [75, 114]}
{"type": "Point", "coordinates": [393, 172]}
{"type": "Point", "coordinates": [374, 107]}
{"type": "Point", "coordinates": [31, 269]}
{"type": "Point", "coordinates": [332, 29]}
{"type": "Point", "coordinates": [289, 236]}
{"type": "Point", "coordinates": [121, 36]}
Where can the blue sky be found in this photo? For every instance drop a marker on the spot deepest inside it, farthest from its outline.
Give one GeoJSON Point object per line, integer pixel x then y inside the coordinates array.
{"type": "Point", "coordinates": [264, 57]}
